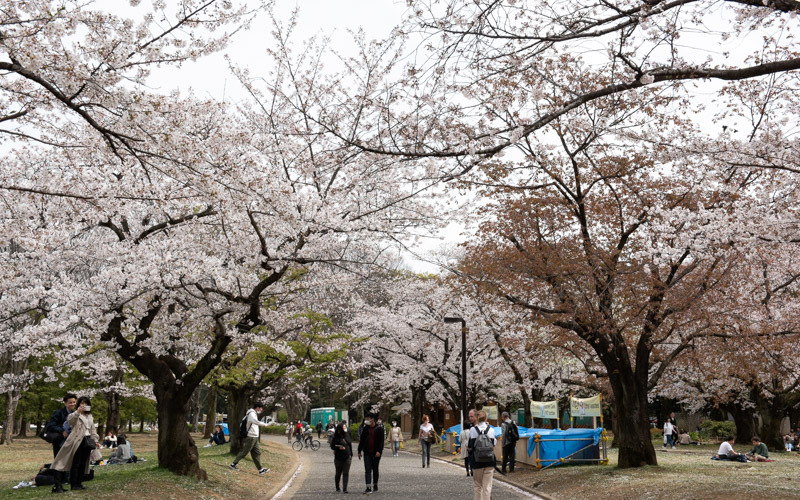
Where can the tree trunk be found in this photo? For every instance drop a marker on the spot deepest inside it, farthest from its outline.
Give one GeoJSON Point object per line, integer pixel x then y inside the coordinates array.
{"type": "Point", "coordinates": [112, 415]}
{"type": "Point", "coordinates": [8, 428]}
{"type": "Point", "coordinates": [176, 448]}
{"type": "Point", "coordinates": [17, 424]}
{"type": "Point", "coordinates": [237, 407]}
{"type": "Point", "coordinates": [197, 407]}
{"type": "Point", "coordinates": [416, 411]}
{"type": "Point", "coordinates": [630, 401]}
{"type": "Point", "coordinates": [615, 428]}
{"type": "Point", "coordinates": [130, 425]}
{"type": "Point", "coordinates": [141, 426]}
{"type": "Point", "coordinates": [745, 423]}
{"type": "Point", "coordinates": [526, 408]}
{"type": "Point", "coordinates": [211, 418]}
{"type": "Point", "coordinates": [772, 412]}
{"type": "Point", "coordinates": [23, 428]}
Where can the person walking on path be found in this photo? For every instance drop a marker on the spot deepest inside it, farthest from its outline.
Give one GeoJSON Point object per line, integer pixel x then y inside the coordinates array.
{"type": "Point", "coordinates": [319, 429]}
{"type": "Point", "coordinates": [250, 444]}
{"type": "Point", "coordinates": [396, 435]}
{"type": "Point", "coordinates": [427, 437]}
{"type": "Point", "coordinates": [481, 446]}
{"type": "Point", "coordinates": [342, 455]}
{"type": "Point", "coordinates": [370, 442]}
{"type": "Point", "coordinates": [465, 427]}
{"type": "Point", "coordinates": [55, 425]}
{"type": "Point", "coordinates": [74, 453]}
{"type": "Point", "coordinates": [668, 429]}
{"type": "Point", "coordinates": [510, 438]}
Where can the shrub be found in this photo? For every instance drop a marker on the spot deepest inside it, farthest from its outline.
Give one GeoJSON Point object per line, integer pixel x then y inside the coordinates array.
{"type": "Point", "coordinates": [656, 434]}
{"type": "Point", "coordinates": [354, 432]}
{"type": "Point", "coordinates": [717, 429]}
{"type": "Point", "coordinates": [274, 429]}
{"type": "Point", "coordinates": [695, 436]}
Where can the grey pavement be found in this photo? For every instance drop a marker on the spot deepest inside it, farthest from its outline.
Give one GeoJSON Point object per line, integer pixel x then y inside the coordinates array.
{"type": "Point", "coordinates": [400, 477]}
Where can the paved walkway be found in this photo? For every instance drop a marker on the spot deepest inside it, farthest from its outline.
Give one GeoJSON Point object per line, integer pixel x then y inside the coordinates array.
{"type": "Point", "coordinates": [400, 477]}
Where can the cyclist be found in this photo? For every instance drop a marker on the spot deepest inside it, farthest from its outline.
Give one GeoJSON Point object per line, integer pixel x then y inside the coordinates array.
{"type": "Point", "coordinates": [308, 435]}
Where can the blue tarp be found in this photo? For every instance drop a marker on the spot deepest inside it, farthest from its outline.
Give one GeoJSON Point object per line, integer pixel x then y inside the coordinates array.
{"type": "Point", "coordinates": [553, 450]}
{"type": "Point", "coordinates": [224, 428]}
{"type": "Point", "coordinates": [550, 450]}
{"type": "Point", "coordinates": [523, 432]}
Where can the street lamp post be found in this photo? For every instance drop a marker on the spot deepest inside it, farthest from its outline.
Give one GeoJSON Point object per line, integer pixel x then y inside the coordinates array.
{"type": "Point", "coordinates": [457, 319]}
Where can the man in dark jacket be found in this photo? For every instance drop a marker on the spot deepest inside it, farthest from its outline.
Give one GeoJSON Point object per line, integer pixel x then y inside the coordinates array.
{"type": "Point", "coordinates": [370, 442]}
{"type": "Point", "coordinates": [509, 442]}
{"type": "Point", "coordinates": [56, 423]}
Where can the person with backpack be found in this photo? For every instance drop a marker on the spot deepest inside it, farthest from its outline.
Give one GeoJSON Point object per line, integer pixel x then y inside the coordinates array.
{"type": "Point", "coordinates": [510, 438]}
{"type": "Point", "coordinates": [248, 431]}
{"type": "Point", "coordinates": [481, 447]}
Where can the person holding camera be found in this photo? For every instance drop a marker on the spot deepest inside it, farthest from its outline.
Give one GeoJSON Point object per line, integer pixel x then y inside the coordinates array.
{"type": "Point", "coordinates": [74, 453]}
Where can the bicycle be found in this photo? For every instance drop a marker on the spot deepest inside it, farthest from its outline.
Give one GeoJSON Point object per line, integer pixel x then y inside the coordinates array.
{"type": "Point", "coordinates": [298, 445]}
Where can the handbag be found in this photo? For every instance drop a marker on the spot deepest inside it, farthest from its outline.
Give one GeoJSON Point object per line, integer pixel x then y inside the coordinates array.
{"type": "Point", "coordinates": [89, 442]}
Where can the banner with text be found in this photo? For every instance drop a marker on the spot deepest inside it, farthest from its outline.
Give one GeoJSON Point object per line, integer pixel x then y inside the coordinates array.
{"type": "Point", "coordinates": [586, 407]}
{"type": "Point", "coordinates": [544, 409]}
{"type": "Point", "coordinates": [491, 412]}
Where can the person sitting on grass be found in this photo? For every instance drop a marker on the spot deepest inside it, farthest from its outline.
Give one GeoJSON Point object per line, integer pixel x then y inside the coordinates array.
{"type": "Point", "coordinates": [110, 441]}
{"type": "Point", "coordinates": [726, 451]}
{"type": "Point", "coordinates": [685, 438]}
{"type": "Point", "coordinates": [217, 437]}
{"type": "Point", "coordinates": [123, 453]}
{"type": "Point", "coordinates": [759, 453]}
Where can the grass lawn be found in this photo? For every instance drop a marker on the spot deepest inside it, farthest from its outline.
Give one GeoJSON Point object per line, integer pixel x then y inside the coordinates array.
{"type": "Point", "coordinates": [684, 473]}
{"type": "Point", "coordinates": [143, 480]}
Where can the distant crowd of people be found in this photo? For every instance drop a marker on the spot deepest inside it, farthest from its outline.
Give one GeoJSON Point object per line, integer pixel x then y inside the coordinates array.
{"type": "Point", "coordinates": [478, 440]}
{"type": "Point", "coordinates": [791, 441]}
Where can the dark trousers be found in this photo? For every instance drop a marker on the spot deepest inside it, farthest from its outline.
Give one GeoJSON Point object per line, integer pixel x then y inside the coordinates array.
{"type": "Point", "coordinates": [371, 463]}
{"type": "Point", "coordinates": [57, 446]}
{"type": "Point", "coordinates": [78, 466]}
{"type": "Point", "coordinates": [509, 456]}
{"type": "Point", "coordinates": [343, 472]}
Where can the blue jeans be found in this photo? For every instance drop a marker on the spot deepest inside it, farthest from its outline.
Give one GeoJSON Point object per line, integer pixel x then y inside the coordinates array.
{"type": "Point", "coordinates": [371, 463]}
{"type": "Point", "coordinates": [669, 440]}
{"type": "Point", "coordinates": [395, 446]}
{"type": "Point", "coordinates": [426, 451]}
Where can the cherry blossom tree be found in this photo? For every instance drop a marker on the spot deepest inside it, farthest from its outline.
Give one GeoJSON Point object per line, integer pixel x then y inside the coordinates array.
{"type": "Point", "coordinates": [169, 253]}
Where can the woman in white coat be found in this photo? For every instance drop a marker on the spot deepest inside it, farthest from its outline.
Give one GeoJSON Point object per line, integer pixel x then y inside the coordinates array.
{"type": "Point", "coordinates": [74, 453]}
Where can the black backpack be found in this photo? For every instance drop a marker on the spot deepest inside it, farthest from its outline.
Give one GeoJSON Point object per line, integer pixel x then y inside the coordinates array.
{"type": "Point", "coordinates": [483, 451]}
{"type": "Point", "coordinates": [243, 428]}
{"type": "Point", "coordinates": [51, 437]}
{"type": "Point", "coordinates": [512, 433]}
